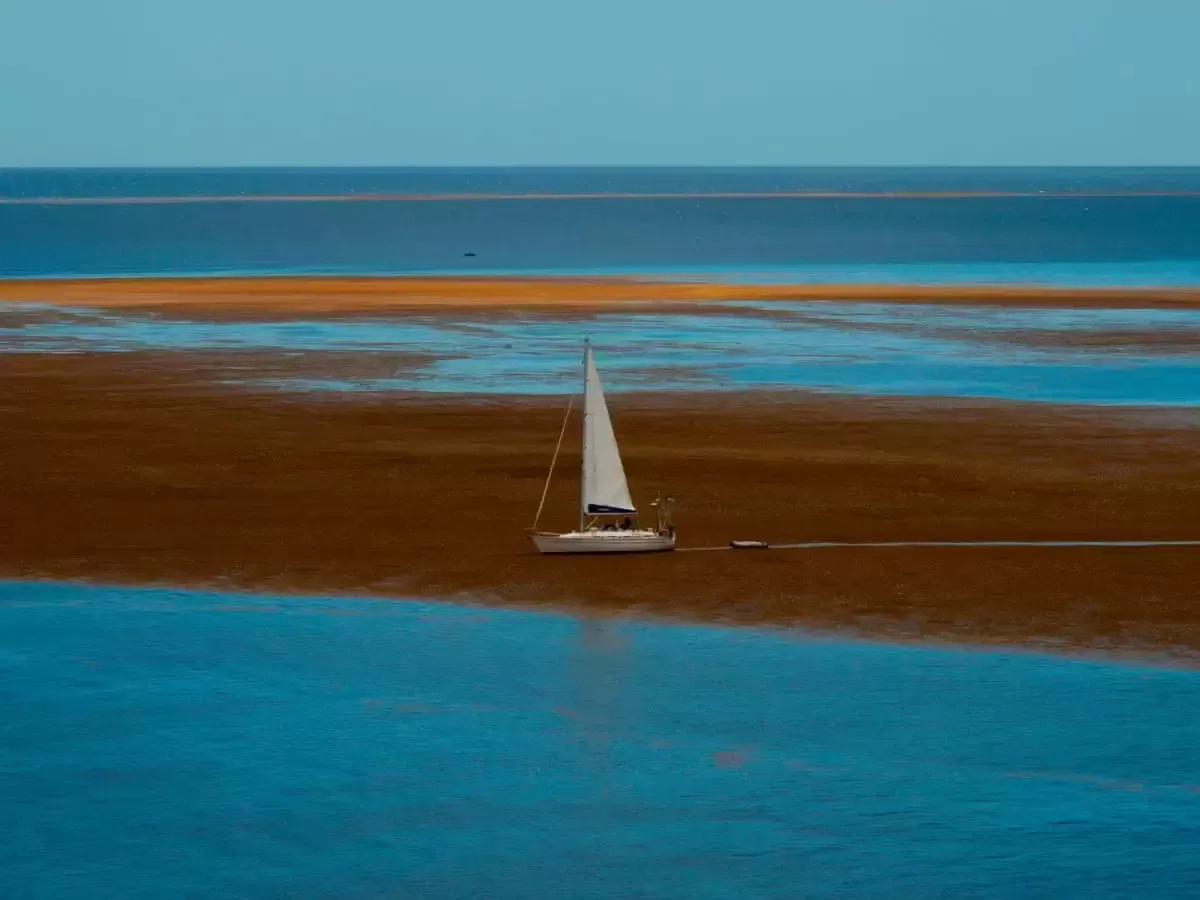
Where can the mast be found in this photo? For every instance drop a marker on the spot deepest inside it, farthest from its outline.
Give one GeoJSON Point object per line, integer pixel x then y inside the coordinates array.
{"type": "Point", "coordinates": [587, 355]}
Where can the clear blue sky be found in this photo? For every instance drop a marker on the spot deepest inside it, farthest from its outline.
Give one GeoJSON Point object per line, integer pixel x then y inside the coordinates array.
{"type": "Point", "coordinates": [639, 82]}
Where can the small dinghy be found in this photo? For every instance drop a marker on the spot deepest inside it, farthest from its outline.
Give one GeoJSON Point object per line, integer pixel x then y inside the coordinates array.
{"type": "Point", "coordinates": [749, 545]}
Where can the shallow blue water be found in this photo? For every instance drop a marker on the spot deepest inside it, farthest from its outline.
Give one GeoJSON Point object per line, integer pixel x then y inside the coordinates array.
{"type": "Point", "coordinates": [160, 743]}
{"type": "Point", "coordinates": [876, 348]}
{"type": "Point", "coordinates": [1130, 273]}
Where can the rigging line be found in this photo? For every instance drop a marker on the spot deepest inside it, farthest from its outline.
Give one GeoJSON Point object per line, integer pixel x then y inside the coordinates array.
{"type": "Point", "coordinates": [821, 545]}
{"type": "Point", "coordinates": [557, 447]}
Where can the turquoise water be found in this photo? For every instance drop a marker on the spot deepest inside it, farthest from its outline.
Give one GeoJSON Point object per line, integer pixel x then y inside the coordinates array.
{"type": "Point", "coordinates": [867, 348]}
{"type": "Point", "coordinates": [158, 743]}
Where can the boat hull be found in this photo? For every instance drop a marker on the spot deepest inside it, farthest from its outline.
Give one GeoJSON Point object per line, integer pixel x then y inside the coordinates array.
{"type": "Point", "coordinates": [580, 542]}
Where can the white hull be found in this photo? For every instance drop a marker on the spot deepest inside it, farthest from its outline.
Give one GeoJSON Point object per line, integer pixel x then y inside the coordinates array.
{"type": "Point", "coordinates": [604, 542]}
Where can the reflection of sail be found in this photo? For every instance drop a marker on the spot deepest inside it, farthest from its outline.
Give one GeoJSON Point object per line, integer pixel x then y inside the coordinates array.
{"type": "Point", "coordinates": [598, 685]}
{"type": "Point", "coordinates": [599, 646]}
{"type": "Point", "coordinates": [605, 489]}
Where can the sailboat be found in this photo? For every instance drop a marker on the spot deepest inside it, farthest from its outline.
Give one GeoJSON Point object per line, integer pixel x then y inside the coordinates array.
{"type": "Point", "coordinates": [607, 516]}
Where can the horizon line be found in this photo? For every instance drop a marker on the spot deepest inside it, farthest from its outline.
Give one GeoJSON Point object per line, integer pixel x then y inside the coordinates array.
{"type": "Point", "coordinates": [370, 197]}
{"type": "Point", "coordinates": [492, 167]}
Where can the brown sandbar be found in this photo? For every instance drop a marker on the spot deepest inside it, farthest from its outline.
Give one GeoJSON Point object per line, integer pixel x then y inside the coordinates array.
{"type": "Point", "coordinates": [136, 468]}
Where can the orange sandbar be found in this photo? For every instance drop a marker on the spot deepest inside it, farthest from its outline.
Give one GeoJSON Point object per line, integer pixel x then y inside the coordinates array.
{"type": "Point", "coordinates": [316, 295]}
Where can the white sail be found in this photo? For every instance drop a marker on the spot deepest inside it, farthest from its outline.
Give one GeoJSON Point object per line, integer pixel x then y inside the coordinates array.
{"type": "Point", "coordinates": [604, 487]}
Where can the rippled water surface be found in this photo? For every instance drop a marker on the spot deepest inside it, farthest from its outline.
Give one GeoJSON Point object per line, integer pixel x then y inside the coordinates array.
{"type": "Point", "coordinates": [169, 744]}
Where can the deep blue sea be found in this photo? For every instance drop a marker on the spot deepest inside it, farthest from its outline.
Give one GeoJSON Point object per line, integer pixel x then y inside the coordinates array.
{"type": "Point", "coordinates": [161, 744]}
{"type": "Point", "coordinates": [1070, 224]}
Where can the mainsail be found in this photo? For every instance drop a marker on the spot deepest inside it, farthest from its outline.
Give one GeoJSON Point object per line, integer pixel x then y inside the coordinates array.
{"type": "Point", "coordinates": [604, 489]}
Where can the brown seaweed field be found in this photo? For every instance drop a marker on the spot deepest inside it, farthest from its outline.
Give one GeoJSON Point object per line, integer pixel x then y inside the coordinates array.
{"type": "Point", "coordinates": [136, 467]}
